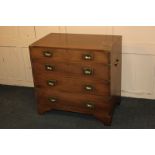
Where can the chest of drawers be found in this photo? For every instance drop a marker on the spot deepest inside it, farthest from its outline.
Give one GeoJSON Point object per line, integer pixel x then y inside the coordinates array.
{"type": "Point", "coordinates": [77, 73]}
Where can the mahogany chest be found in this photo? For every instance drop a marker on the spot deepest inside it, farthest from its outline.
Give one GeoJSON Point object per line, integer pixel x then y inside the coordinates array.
{"type": "Point", "coordinates": [77, 73]}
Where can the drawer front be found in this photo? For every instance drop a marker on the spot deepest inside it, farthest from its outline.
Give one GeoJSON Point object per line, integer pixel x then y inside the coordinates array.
{"type": "Point", "coordinates": [74, 102]}
{"type": "Point", "coordinates": [62, 55]}
{"type": "Point", "coordinates": [98, 71]}
{"type": "Point", "coordinates": [76, 85]}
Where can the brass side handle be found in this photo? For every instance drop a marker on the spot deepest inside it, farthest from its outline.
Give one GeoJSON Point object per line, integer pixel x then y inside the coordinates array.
{"type": "Point", "coordinates": [87, 56]}
{"type": "Point", "coordinates": [51, 82]}
{"type": "Point", "coordinates": [52, 99]}
{"type": "Point", "coordinates": [116, 62]}
{"type": "Point", "coordinates": [88, 87]}
{"type": "Point", "coordinates": [49, 67]}
{"type": "Point", "coordinates": [87, 71]}
{"type": "Point", "coordinates": [90, 105]}
{"type": "Point", "coordinates": [48, 53]}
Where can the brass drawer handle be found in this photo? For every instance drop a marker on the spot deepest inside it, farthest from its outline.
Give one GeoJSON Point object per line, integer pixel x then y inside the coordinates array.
{"type": "Point", "coordinates": [88, 87]}
{"type": "Point", "coordinates": [49, 67]}
{"type": "Point", "coordinates": [47, 53]}
{"type": "Point", "coordinates": [52, 99]}
{"type": "Point", "coordinates": [90, 105]}
{"type": "Point", "coordinates": [51, 82]}
{"type": "Point", "coordinates": [87, 71]}
{"type": "Point", "coordinates": [87, 57]}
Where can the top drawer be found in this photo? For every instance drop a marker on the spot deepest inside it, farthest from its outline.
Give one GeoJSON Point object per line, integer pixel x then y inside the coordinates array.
{"type": "Point", "coordinates": [64, 55]}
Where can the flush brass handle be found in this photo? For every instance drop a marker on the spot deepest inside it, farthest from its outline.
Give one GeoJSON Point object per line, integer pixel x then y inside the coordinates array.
{"type": "Point", "coordinates": [87, 56]}
{"type": "Point", "coordinates": [48, 53]}
{"type": "Point", "coordinates": [49, 67]}
{"type": "Point", "coordinates": [51, 82]}
{"type": "Point", "coordinates": [52, 99]}
{"type": "Point", "coordinates": [90, 105]}
{"type": "Point", "coordinates": [87, 71]}
{"type": "Point", "coordinates": [88, 87]}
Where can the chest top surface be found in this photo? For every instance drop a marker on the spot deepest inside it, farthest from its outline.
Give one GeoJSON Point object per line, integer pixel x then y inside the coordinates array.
{"type": "Point", "coordinates": [78, 41]}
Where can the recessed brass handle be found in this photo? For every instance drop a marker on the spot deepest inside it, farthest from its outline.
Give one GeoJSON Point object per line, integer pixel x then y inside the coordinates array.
{"type": "Point", "coordinates": [90, 105]}
{"type": "Point", "coordinates": [52, 99]}
{"type": "Point", "coordinates": [87, 71]}
{"type": "Point", "coordinates": [87, 56]}
{"type": "Point", "coordinates": [49, 67]}
{"type": "Point", "coordinates": [51, 82]}
{"type": "Point", "coordinates": [88, 87]}
{"type": "Point", "coordinates": [48, 53]}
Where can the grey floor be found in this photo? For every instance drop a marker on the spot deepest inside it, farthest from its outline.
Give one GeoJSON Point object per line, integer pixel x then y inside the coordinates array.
{"type": "Point", "coordinates": [18, 111]}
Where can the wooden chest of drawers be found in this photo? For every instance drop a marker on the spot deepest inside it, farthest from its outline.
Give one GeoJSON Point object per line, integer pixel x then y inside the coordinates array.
{"type": "Point", "coordinates": [78, 73]}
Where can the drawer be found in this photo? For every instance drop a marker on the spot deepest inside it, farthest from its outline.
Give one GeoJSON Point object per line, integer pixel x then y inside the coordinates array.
{"type": "Point", "coordinates": [98, 71]}
{"type": "Point", "coordinates": [64, 55]}
{"type": "Point", "coordinates": [76, 85]}
{"type": "Point", "coordinates": [74, 102]}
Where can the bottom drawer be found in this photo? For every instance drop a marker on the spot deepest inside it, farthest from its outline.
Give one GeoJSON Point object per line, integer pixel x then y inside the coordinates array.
{"type": "Point", "coordinates": [48, 100]}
